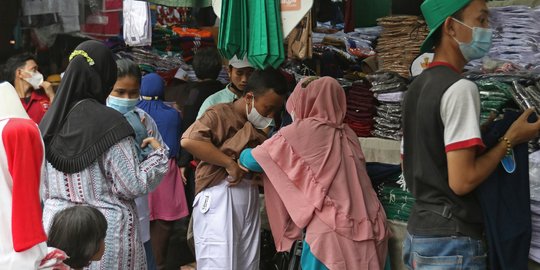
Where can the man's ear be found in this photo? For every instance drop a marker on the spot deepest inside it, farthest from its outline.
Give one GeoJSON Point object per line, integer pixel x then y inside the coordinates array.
{"type": "Point", "coordinates": [18, 73]}
{"type": "Point", "coordinates": [449, 27]}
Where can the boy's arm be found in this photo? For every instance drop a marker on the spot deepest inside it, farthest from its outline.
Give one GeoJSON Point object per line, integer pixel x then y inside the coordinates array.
{"type": "Point", "coordinates": [208, 152]}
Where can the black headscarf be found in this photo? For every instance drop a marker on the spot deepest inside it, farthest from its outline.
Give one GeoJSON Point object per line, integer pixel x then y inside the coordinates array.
{"type": "Point", "coordinates": [78, 127]}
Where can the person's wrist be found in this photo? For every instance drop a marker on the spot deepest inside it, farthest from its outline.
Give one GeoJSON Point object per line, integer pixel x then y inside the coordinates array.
{"type": "Point", "coordinates": [230, 163]}
{"type": "Point", "coordinates": [507, 143]}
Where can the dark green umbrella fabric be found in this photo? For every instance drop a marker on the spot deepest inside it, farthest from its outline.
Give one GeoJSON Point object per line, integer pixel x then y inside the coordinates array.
{"type": "Point", "coordinates": [253, 27]}
{"type": "Point", "coordinates": [275, 30]}
{"type": "Point", "coordinates": [233, 28]}
{"type": "Point", "coordinates": [258, 34]}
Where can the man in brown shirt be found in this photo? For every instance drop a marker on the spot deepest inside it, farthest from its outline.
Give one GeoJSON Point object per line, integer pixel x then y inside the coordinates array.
{"type": "Point", "coordinates": [225, 211]}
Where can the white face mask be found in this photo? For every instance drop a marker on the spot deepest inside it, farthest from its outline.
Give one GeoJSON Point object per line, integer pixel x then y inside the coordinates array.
{"type": "Point", "coordinates": [256, 119]}
{"type": "Point", "coordinates": [292, 116]}
{"type": "Point", "coordinates": [36, 80]}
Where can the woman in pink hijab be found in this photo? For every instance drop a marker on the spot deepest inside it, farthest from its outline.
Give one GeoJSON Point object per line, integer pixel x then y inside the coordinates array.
{"type": "Point", "coordinates": [315, 180]}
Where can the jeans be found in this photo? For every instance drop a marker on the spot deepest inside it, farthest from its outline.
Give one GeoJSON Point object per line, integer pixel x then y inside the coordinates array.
{"type": "Point", "coordinates": [150, 261]}
{"type": "Point", "coordinates": [449, 252]}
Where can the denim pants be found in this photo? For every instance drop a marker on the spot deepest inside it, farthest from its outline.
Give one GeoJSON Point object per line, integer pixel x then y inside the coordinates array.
{"type": "Point", "coordinates": [448, 252]}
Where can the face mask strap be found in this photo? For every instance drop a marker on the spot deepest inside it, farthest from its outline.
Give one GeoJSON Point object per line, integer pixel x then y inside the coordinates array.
{"type": "Point", "coordinates": [462, 23]}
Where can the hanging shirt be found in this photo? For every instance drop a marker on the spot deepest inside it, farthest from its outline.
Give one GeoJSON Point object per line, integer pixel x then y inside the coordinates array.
{"type": "Point", "coordinates": [137, 23]}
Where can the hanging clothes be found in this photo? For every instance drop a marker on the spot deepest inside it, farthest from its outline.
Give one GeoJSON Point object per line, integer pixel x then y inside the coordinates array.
{"type": "Point", "coordinates": [69, 15]}
{"type": "Point", "coordinates": [506, 206]}
{"type": "Point", "coordinates": [112, 5]}
{"type": "Point", "coordinates": [137, 23]}
{"type": "Point", "coordinates": [299, 41]}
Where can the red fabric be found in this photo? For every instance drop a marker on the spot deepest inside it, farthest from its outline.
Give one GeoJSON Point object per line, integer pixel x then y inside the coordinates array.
{"type": "Point", "coordinates": [24, 152]}
{"type": "Point", "coordinates": [466, 144]}
{"type": "Point", "coordinates": [439, 63]}
{"type": "Point", "coordinates": [37, 106]}
{"type": "Point", "coordinates": [192, 32]}
{"type": "Point", "coordinates": [112, 5]}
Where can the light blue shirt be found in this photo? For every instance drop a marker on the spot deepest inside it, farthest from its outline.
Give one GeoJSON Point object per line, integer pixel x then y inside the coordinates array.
{"type": "Point", "coordinates": [222, 96]}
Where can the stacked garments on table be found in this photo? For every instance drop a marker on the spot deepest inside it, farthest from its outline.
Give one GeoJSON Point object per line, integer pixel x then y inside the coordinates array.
{"type": "Point", "coordinates": [181, 39]}
{"type": "Point", "coordinates": [400, 42]}
{"type": "Point", "coordinates": [395, 199]}
{"type": "Point", "coordinates": [358, 44]}
{"type": "Point", "coordinates": [360, 108]}
{"type": "Point", "coordinates": [397, 203]}
{"type": "Point", "coordinates": [508, 91]}
{"type": "Point", "coordinates": [516, 36]}
{"type": "Point", "coordinates": [166, 40]}
{"type": "Point", "coordinates": [361, 42]}
{"type": "Point", "coordinates": [165, 65]}
{"type": "Point", "coordinates": [494, 97]}
{"type": "Point", "coordinates": [389, 89]}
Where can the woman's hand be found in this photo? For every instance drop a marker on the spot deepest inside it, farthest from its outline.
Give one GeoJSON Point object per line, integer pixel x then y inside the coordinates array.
{"type": "Point", "coordinates": [235, 172]}
{"type": "Point", "coordinates": [152, 142]}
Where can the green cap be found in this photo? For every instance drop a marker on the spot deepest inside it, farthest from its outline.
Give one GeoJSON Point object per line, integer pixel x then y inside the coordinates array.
{"type": "Point", "coordinates": [435, 13]}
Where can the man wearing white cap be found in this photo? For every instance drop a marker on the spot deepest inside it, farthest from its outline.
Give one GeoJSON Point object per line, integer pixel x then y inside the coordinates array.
{"type": "Point", "coordinates": [239, 72]}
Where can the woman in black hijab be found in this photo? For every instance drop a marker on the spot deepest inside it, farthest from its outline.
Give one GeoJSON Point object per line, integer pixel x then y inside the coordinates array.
{"type": "Point", "coordinates": [91, 156]}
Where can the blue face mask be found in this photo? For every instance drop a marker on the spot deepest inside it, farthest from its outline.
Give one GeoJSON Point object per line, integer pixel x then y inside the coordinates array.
{"type": "Point", "coordinates": [123, 105]}
{"type": "Point", "coordinates": [480, 44]}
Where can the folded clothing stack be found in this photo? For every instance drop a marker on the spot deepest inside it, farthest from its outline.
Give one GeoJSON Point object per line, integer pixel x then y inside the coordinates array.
{"type": "Point", "coordinates": [184, 40]}
{"type": "Point", "coordinates": [516, 36]}
{"type": "Point", "coordinates": [360, 108]}
{"type": "Point", "coordinates": [389, 89]}
{"type": "Point", "coordinates": [494, 97]}
{"type": "Point", "coordinates": [396, 201]}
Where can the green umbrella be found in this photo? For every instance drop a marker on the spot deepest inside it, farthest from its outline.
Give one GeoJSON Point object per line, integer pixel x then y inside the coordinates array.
{"type": "Point", "coordinates": [233, 28]}
{"type": "Point", "coordinates": [258, 35]}
{"type": "Point", "coordinates": [277, 54]}
{"type": "Point", "coordinates": [266, 34]}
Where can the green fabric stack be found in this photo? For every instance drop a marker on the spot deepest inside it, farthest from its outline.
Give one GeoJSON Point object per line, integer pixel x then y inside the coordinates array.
{"type": "Point", "coordinates": [261, 39]}
{"type": "Point", "coordinates": [183, 3]}
{"type": "Point", "coordinates": [396, 202]}
{"type": "Point", "coordinates": [494, 97]}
